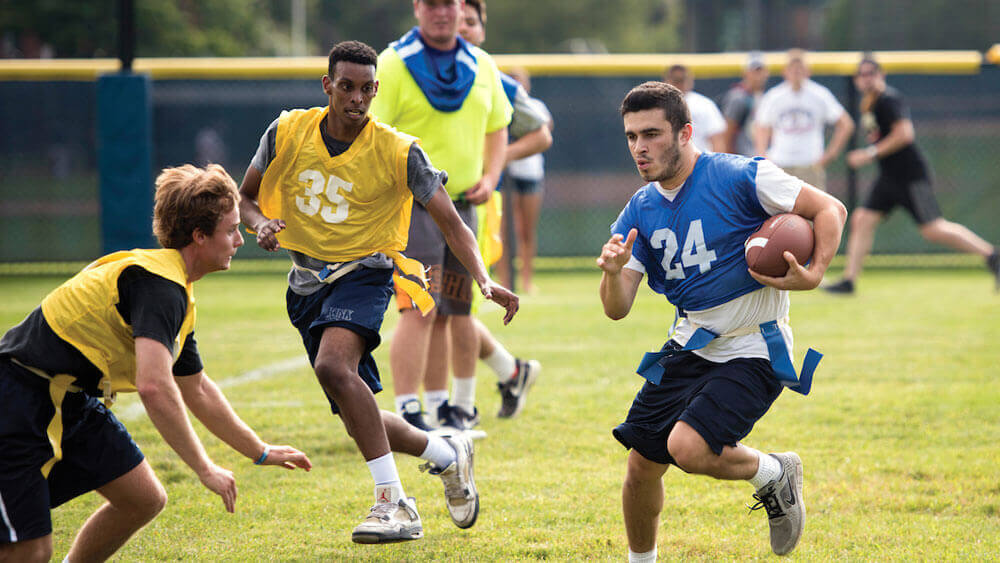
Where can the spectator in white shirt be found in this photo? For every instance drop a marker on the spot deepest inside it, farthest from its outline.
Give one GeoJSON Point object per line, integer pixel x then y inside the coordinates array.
{"type": "Point", "coordinates": [791, 121]}
{"type": "Point", "coordinates": [706, 119]}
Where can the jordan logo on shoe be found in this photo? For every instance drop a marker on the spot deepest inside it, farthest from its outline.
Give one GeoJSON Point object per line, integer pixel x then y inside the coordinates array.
{"type": "Point", "coordinates": [384, 496]}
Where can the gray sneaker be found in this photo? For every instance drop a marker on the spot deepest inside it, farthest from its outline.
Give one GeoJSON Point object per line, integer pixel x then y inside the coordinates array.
{"type": "Point", "coordinates": [392, 519]}
{"type": "Point", "coordinates": [514, 393]}
{"type": "Point", "coordinates": [460, 492]}
{"type": "Point", "coordinates": [782, 499]}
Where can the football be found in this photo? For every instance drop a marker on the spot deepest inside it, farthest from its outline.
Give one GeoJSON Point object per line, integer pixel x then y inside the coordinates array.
{"type": "Point", "coordinates": [785, 231]}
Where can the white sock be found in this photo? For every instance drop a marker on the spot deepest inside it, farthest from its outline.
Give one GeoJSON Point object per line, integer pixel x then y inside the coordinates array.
{"type": "Point", "coordinates": [648, 557]}
{"type": "Point", "coordinates": [465, 393]}
{"type": "Point", "coordinates": [383, 470]}
{"type": "Point", "coordinates": [400, 399]}
{"type": "Point", "coordinates": [768, 469]}
{"type": "Point", "coordinates": [433, 400]}
{"type": "Point", "coordinates": [501, 362]}
{"type": "Point", "coordinates": [438, 451]}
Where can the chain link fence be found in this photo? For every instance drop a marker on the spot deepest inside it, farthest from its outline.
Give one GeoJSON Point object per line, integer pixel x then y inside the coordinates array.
{"type": "Point", "coordinates": [49, 207]}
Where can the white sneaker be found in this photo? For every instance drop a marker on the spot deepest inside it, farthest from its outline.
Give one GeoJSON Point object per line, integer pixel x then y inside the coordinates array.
{"type": "Point", "coordinates": [392, 519]}
{"type": "Point", "coordinates": [460, 492]}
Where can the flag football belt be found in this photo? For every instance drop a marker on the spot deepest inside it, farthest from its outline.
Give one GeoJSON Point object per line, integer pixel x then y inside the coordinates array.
{"type": "Point", "coordinates": [652, 365]}
{"type": "Point", "coordinates": [408, 274]}
{"type": "Point", "coordinates": [331, 272]}
{"type": "Point", "coordinates": [59, 385]}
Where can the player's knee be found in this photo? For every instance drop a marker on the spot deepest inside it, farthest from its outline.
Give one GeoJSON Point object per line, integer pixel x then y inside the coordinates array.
{"type": "Point", "coordinates": [638, 470]}
{"type": "Point", "coordinates": [156, 503]}
{"type": "Point", "coordinates": [143, 509]}
{"type": "Point", "coordinates": [933, 230]}
{"type": "Point", "coordinates": [689, 451]}
{"type": "Point", "coordinates": [39, 549]}
{"type": "Point", "coordinates": [333, 375]}
{"type": "Point", "coordinates": [863, 219]}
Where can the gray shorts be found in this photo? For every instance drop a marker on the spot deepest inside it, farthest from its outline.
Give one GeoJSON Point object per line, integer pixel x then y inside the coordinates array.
{"type": "Point", "coordinates": [451, 285]}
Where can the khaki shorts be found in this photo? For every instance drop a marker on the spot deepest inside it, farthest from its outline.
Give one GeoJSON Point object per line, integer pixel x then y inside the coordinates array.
{"type": "Point", "coordinates": [814, 175]}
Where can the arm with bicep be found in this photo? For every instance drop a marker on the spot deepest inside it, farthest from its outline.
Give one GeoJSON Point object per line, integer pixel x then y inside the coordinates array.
{"type": "Point", "coordinates": [164, 405]}
{"type": "Point", "coordinates": [828, 215]}
{"type": "Point", "coordinates": [462, 241]}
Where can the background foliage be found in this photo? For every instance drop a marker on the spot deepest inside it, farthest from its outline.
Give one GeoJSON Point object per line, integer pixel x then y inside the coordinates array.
{"type": "Point", "coordinates": [172, 28]}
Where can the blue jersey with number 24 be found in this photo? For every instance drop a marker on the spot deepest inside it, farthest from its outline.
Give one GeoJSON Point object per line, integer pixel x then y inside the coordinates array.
{"type": "Point", "coordinates": [692, 247]}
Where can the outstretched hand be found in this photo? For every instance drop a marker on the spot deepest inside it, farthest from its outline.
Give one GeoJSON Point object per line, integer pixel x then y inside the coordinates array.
{"type": "Point", "coordinates": [798, 276]}
{"type": "Point", "coordinates": [267, 234]}
{"type": "Point", "coordinates": [503, 297]}
{"type": "Point", "coordinates": [616, 252]}
{"type": "Point", "coordinates": [287, 457]}
{"type": "Point", "coordinates": [220, 481]}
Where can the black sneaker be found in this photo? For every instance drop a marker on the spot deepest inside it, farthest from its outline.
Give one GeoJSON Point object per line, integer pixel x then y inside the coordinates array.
{"type": "Point", "coordinates": [456, 417]}
{"type": "Point", "coordinates": [413, 414]}
{"type": "Point", "coordinates": [993, 263]}
{"type": "Point", "coordinates": [843, 287]}
{"type": "Point", "coordinates": [514, 392]}
{"type": "Point", "coordinates": [782, 499]}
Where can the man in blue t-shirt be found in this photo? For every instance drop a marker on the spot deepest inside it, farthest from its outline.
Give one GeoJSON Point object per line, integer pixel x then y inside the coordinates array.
{"type": "Point", "coordinates": [725, 362]}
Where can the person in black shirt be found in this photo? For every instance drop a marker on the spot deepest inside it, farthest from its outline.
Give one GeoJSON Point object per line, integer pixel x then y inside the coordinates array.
{"type": "Point", "coordinates": [904, 179]}
{"type": "Point", "coordinates": [124, 323]}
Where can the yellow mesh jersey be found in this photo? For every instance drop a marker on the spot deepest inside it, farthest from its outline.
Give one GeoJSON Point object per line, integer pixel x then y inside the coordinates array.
{"type": "Point", "coordinates": [337, 208]}
{"type": "Point", "coordinates": [82, 312]}
{"type": "Point", "coordinates": [345, 207]}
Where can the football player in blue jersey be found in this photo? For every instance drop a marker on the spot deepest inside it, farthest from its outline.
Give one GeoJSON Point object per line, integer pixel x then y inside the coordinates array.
{"type": "Point", "coordinates": [728, 356]}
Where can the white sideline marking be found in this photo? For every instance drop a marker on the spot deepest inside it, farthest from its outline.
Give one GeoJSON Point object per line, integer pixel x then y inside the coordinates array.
{"type": "Point", "coordinates": [135, 410]}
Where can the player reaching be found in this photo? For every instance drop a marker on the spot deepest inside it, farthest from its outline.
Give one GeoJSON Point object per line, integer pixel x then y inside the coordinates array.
{"type": "Point", "coordinates": [125, 323]}
{"type": "Point", "coordinates": [719, 373]}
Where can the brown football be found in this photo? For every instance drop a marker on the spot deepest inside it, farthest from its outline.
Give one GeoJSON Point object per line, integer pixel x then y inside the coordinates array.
{"type": "Point", "coordinates": [786, 231]}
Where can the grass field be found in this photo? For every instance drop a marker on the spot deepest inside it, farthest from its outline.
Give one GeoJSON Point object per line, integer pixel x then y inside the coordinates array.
{"type": "Point", "coordinates": [899, 435]}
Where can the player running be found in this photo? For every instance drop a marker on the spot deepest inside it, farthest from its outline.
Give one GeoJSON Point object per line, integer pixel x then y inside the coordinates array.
{"type": "Point", "coordinates": [335, 187]}
{"type": "Point", "coordinates": [722, 367]}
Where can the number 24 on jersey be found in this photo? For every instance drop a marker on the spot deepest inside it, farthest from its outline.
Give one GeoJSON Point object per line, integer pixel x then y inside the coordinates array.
{"type": "Point", "coordinates": [694, 253]}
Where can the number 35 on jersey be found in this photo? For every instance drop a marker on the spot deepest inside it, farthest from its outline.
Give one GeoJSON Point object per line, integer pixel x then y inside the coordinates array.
{"type": "Point", "coordinates": [315, 186]}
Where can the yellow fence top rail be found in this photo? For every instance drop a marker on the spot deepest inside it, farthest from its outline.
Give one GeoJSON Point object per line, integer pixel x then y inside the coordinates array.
{"type": "Point", "coordinates": [705, 65]}
{"type": "Point", "coordinates": [993, 55]}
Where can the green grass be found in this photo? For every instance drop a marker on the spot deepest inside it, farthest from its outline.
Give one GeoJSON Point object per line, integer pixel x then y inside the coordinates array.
{"type": "Point", "coordinates": [899, 436]}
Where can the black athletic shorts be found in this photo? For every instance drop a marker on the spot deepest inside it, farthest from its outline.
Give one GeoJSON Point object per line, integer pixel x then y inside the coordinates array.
{"type": "Point", "coordinates": [96, 449]}
{"type": "Point", "coordinates": [915, 195]}
{"type": "Point", "coordinates": [720, 401]}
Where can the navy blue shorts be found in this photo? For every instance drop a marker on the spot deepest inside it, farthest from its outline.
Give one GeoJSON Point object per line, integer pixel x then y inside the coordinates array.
{"type": "Point", "coordinates": [720, 401]}
{"type": "Point", "coordinates": [96, 449]}
{"type": "Point", "coordinates": [357, 302]}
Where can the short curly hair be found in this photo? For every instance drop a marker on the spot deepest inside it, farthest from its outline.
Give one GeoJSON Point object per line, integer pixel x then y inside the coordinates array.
{"type": "Point", "coordinates": [351, 52]}
{"type": "Point", "coordinates": [190, 198]}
